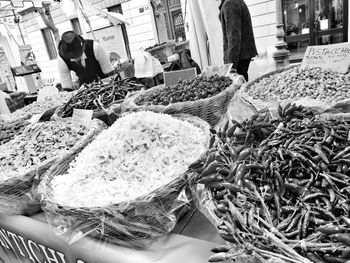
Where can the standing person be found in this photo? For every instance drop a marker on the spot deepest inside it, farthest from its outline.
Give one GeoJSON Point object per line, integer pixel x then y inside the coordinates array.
{"type": "Point", "coordinates": [85, 57]}
{"type": "Point", "coordinates": [239, 43]}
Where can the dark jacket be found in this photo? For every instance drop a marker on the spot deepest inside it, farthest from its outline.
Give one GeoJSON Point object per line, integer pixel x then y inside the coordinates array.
{"type": "Point", "coordinates": [239, 43]}
{"type": "Point", "coordinates": [92, 70]}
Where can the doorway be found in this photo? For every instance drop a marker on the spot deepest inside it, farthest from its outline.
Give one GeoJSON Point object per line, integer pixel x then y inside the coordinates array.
{"type": "Point", "coordinates": [314, 22]}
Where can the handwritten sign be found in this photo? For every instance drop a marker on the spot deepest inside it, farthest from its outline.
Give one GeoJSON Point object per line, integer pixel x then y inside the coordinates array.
{"type": "Point", "coordinates": [81, 118]}
{"type": "Point", "coordinates": [335, 57]}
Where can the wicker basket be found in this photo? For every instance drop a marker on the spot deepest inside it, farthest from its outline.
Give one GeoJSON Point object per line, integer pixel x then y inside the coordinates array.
{"type": "Point", "coordinates": [318, 107]}
{"type": "Point", "coordinates": [268, 74]}
{"type": "Point", "coordinates": [18, 195]}
{"type": "Point", "coordinates": [129, 223]}
{"type": "Point", "coordinates": [260, 105]}
{"type": "Point", "coordinates": [210, 109]}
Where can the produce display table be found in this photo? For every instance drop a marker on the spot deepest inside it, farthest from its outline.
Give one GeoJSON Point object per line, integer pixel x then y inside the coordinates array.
{"type": "Point", "coordinates": [29, 239]}
{"type": "Point", "coordinates": [270, 170]}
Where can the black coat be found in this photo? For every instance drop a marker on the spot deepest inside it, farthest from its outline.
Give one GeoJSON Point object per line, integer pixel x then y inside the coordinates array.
{"type": "Point", "coordinates": [239, 43]}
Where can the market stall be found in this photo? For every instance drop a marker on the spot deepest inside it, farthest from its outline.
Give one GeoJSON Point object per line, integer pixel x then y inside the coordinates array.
{"type": "Point", "coordinates": [266, 162]}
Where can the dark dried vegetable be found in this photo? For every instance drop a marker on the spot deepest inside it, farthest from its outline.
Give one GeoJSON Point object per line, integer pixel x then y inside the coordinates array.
{"type": "Point", "coordinates": [288, 188]}
{"type": "Point", "coordinates": [192, 89]}
{"type": "Point", "coordinates": [100, 95]}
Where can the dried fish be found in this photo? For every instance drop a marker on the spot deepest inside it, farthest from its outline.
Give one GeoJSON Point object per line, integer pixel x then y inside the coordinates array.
{"type": "Point", "coordinates": [139, 153]}
{"type": "Point", "coordinates": [35, 145]}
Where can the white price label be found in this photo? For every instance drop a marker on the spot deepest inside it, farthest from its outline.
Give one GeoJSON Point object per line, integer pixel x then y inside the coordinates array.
{"type": "Point", "coordinates": [81, 118]}
{"type": "Point", "coordinates": [222, 70]}
{"type": "Point", "coordinates": [35, 118]}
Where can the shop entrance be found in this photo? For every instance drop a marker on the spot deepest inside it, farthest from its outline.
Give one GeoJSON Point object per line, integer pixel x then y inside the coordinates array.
{"type": "Point", "coordinates": [314, 22]}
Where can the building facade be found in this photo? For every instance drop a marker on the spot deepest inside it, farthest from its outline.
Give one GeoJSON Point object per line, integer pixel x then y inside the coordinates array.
{"type": "Point", "coordinates": [122, 40]}
{"type": "Point", "coordinates": [305, 22]}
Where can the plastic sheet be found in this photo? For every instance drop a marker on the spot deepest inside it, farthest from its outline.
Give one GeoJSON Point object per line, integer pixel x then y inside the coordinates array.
{"type": "Point", "coordinates": [242, 107]}
{"type": "Point", "coordinates": [34, 232]}
{"type": "Point", "coordinates": [18, 192]}
{"type": "Point", "coordinates": [146, 66]}
{"type": "Point", "coordinates": [47, 91]}
{"type": "Point", "coordinates": [210, 109]}
{"type": "Point", "coordinates": [134, 223]}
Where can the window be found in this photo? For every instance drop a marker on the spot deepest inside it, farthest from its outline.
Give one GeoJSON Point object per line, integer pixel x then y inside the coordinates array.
{"type": "Point", "coordinates": [174, 20]}
{"type": "Point", "coordinates": [76, 26]}
{"type": "Point", "coordinates": [49, 42]}
{"type": "Point", "coordinates": [178, 24]}
{"type": "Point", "coordinates": [313, 22]}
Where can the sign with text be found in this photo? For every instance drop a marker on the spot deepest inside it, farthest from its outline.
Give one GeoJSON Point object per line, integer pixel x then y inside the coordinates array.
{"type": "Point", "coordinates": [81, 118]}
{"type": "Point", "coordinates": [31, 240]}
{"type": "Point", "coordinates": [335, 57]}
{"type": "Point", "coordinates": [111, 39]}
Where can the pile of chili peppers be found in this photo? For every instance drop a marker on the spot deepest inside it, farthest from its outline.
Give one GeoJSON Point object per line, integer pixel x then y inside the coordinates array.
{"type": "Point", "coordinates": [100, 95]}
{"type": "Point", "coordinates": [281, 187]}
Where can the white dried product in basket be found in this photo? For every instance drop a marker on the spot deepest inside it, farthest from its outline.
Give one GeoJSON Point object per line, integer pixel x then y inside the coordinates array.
{"type": "Point", "coordinates": [136, 155]}
{"type": "Point", "coordinates": [131, 183]}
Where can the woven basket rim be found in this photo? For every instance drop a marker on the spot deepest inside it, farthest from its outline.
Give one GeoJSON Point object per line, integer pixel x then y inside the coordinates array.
{"type": "Point", "coordinates": [178, 181]}
{"type": "Point", "coordinates": [272, 103]}
{"type": "Point", "coordinates": [170, 106]}
{"type": "Point", "coordinates": [58, 111]}
{"type": "Point", "coordinates": [268, 74]}
{"type": "Point", "coordinates": [28, 175]}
